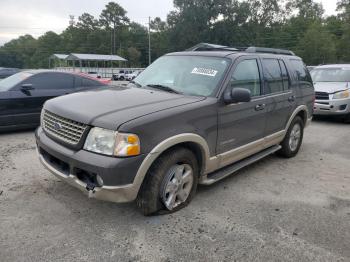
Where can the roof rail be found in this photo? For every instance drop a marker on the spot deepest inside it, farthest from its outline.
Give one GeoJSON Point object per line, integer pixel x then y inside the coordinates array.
{"type": "Point", "coordinates": [252, 49]}
{"type": "Point", "coordinates": [211, 47]}
{"type": "Point", "coordinates": [277, 51]}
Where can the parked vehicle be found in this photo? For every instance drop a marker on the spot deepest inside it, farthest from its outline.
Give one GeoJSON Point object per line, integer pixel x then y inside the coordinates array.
{"type": "Point", "coordinates": [121, 75]}
{"type": "Point", "coordinates": [6, 72]}
{"type": "Point", "coordinates": [332, 86]}
{"type": "Point", "coordinates": [94, 74]}
{"type": "Point", "coordinates": [22, 95]}
{"type": "Point", "coordinates": [310, 68]}
{"type": "Point", "coordinates": [132, 76]}
{"type": "Point", "coordinates": [190, 117]}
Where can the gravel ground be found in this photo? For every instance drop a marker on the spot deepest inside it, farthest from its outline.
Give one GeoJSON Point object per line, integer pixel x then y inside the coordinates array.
{"type": "Point", "coordinates": [274, 210]}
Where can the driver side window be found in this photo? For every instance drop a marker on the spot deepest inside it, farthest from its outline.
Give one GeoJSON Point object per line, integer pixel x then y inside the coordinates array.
{"type": "Point", "coordinates": [246, 75]}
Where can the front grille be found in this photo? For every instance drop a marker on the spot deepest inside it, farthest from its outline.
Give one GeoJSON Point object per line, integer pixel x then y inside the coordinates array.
{"type": "Point", "coordinates": [322, 96]}
{"type": "Point", "coordinates": [64, 129]}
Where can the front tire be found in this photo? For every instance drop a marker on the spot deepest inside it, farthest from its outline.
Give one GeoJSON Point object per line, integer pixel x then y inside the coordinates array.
{"type": "Point", "coordinates": [293, 139]}
{"type": "Point", "coordinates": [170, 184]}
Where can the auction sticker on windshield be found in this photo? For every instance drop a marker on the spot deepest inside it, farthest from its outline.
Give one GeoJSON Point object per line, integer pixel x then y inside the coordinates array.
{"type": "Point", "coordinates": [204, 71]}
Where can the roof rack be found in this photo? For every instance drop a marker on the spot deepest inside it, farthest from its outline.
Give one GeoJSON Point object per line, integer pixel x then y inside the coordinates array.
{"type": "Point", "coordinates": [252, 49]}
{"type": "Point", "coordinates": [211, 47]}
{"type": "Point", "coordinates": [277, 51]}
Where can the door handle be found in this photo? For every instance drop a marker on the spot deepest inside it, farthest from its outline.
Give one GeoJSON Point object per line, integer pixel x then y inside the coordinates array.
{"type": "Point", "coordinates": [260, 107]}
{"type": "Point", "coordinates": [291, 98]}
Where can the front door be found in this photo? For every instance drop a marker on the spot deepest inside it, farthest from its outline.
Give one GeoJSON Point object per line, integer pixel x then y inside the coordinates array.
{"type": "Point", "coordinates": [241, 126]}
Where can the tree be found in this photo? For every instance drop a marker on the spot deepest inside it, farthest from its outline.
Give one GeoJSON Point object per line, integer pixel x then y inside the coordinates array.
{"type": "Point", "coordinates": [87, 22]}
{"type": "Point", "coordinates": [134, 57]}
{"type": "Point", "coordinates": [317, 46]}
{"type": "Point", "coordinates": [113, 16]}
{"type": "Point", "coordinates": [343, 7]}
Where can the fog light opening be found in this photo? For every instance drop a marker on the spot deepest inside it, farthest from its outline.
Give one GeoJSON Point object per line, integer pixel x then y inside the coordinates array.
{"type": "Point", "coordinates": [92, 180]}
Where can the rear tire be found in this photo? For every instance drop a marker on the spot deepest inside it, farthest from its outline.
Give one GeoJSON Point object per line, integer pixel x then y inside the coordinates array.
{"type": "Point", "coordinates": [293, 139]}
{"type": "Point", "coordinates": [154, 196]}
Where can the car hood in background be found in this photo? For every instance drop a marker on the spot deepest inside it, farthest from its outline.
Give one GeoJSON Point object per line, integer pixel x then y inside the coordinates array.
{"type": "Point", "coordinates": [330, 87]}
{"type": "Point", "coordinates": [111, 107]}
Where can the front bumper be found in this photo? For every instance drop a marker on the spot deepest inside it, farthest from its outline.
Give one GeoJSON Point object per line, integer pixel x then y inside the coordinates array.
{"type": "Point", "coordinates": [332, 107]}
{"type": "Point", "coordinates": [118, 174]}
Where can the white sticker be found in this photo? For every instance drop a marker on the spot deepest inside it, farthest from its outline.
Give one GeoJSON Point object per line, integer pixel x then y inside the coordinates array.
{"type": "Point", "coordinates": [204, 71]}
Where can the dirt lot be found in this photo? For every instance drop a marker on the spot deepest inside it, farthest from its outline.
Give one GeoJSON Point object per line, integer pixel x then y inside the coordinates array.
{"type": "Point", "coordinates": [275, 210]}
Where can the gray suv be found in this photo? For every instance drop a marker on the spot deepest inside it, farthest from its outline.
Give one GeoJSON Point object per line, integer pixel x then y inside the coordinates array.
{"type": "Point", "coordinates": [190, 118]}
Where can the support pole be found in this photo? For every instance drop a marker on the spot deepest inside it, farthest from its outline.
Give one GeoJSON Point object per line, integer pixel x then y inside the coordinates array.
{"type": "Point", "coordinates": [149, 41]}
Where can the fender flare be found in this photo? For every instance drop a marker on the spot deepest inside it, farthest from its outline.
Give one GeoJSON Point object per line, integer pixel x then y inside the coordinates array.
{"type": "Point", "coordinates": [162, 147]}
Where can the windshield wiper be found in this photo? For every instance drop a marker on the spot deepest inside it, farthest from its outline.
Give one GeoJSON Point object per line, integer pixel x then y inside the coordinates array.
{"type": "Point", "coordinates": [164, 88]}
{"type": "Point", "coordinates": [135, 83]}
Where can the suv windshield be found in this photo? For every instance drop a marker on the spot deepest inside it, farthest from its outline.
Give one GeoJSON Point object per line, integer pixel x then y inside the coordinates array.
{"type": "Point", "coordinates": [11, 81]}
{"type": "Point", "coordinates": [190, 75]}
{"type": "Point", "coordinates": [331, 75]}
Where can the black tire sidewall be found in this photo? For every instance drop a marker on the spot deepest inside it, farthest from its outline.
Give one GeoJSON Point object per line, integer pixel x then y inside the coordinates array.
{"type": "Point", "coordinates": [151, 188]}
{"type": "Point", "coordinates": [285, 144]}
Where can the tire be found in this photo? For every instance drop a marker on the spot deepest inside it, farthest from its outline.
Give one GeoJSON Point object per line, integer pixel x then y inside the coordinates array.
{"type": "Point", "coordinates": [121, 78]}
{"type": "Point", "coordinates": [347, 119]}
{"type": "Point", "coordinates": [290, 149]}
{"type": "Point", "coordinates": [152, 197]}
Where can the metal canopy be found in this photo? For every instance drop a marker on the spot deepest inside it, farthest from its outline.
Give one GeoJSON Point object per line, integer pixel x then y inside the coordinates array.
{"type": "Point", "coordinates": [94, 57]}
{"type": "Point", "coordinates": [59, 56]}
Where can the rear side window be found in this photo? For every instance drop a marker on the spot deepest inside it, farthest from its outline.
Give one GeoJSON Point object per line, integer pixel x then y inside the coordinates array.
{"type": "Point", "coordinates": [302, 73]}
{"type": "Point", "coordinates": [285, 77]}
{"type": "Point", "coordinates": [50, 81]}
{"type": "Point", "coordinates": [273, 75]}
{"type": "Point", "coordinates": [246, 75]}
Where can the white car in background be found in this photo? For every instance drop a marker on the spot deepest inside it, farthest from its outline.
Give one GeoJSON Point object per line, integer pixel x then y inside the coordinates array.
{"type": "Point", "coordinates": [132, 75]}
{"type": "Point", "coordinates": [94, 74]}
{"type": "Point", "coordinates": [332, 90]}
{"type": "Point", "coordinates": [122, 75]}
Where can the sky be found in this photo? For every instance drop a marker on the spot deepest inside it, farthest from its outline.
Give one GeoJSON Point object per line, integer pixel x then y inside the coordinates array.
{"type": "Point", "coordinates": [36, 17]}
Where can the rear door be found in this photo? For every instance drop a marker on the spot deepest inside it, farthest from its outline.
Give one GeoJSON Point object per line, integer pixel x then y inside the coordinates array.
{"type": "Point", "coordinates": [280, 98]}
{"type": "Point", "coordinates": [241, 126]}
{"type": "Point", "coordinates": [27, 104]}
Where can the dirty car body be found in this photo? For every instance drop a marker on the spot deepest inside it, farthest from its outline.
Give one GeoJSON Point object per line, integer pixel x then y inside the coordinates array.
{"type": "Point", "coordinates": [182, 106]}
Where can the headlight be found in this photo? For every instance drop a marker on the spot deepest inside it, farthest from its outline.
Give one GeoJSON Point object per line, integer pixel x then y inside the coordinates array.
{"type": "Point", "coordinates": [111, 143]}
{"type": "Point", "coordinates": [342, 94]}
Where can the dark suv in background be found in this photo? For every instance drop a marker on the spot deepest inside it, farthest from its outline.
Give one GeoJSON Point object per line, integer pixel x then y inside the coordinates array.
{"type": "Point", "coordinates": [191, 117]}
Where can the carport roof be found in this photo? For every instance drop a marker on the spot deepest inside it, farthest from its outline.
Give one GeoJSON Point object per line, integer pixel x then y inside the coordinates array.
{"type": "Point", "coordinates": [94, 57]}
{"type": "Point", "coordinates": [59, 56]}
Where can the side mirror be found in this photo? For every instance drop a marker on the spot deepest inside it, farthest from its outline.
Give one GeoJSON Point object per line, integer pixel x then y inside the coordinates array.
{"type": "Point", "coordinates": [27, 87]}
{"type": "Point", "coordinates": [238, 95]}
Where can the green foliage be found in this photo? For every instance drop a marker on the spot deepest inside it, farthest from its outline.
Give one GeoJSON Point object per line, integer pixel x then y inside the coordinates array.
{"type": "Point", "coordinates": [299, 25]}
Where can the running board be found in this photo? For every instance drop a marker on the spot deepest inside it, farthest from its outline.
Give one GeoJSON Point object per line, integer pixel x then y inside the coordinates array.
{"type": "Point", "coordinates": [228, 170]}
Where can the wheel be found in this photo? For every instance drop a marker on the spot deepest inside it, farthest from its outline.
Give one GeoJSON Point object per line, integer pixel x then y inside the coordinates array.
{"type": "Point", "coordinates": [170, 183]}
{"type": "Point", "coordinates": [293, 139]}
{"type": "Point", "coordinates": [121, 78]}
{"type": "Point", "coordinates": [347, 118]}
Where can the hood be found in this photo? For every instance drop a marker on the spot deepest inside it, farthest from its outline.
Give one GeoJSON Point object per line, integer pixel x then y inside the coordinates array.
{"type": "Point", "coordinates": [331, 87]}
{"type": "Point", "coordinates": [113, 106]}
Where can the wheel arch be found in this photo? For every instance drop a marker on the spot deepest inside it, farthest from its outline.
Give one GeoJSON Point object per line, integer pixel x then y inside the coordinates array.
{"type": "Point", "coordinates": [194, 142]}
{"type": "Point", "coordinates": [301, 111]}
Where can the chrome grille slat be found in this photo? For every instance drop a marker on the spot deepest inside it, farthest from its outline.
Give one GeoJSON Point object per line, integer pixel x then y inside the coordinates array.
{"type": "Point", "coordinates": [70, 131]}
{"type": "Point", "coordinates": [52, 122]}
